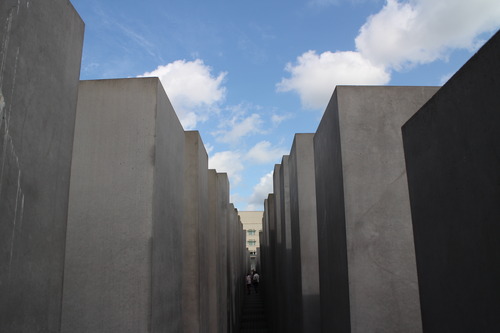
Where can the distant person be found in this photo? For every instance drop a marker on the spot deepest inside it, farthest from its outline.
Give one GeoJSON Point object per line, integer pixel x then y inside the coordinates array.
{"type": "Point", "coordinates": [248, 279]}
{"type": "Point", "coordinates": [255, 282]}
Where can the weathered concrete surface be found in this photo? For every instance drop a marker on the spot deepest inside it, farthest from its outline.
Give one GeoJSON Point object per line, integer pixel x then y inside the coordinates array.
{"type": "Point", "coordinates": [452, 151]}
{"type": "Point", "coordinates": [286, 239]}
{"type": "Point", "coordinates": [194, 289]}
{"type": "Point", "coordinates": [304, 234]}
{"type": "Point", "coordinates": [123, 253]}
{"type": "Point", "coordinates": [271, 279]}
{"type": "Point", "coordinates": [364, 223]}
{"type": "Point", "coordinates": [332, 237]}
{"type": "Point", "coordinates": [211, 253]}
{"type": "Point", "coordinates": [266, 262]}
{"type": "Point", "coordinates": [40, 52]}
{"type": "Point", "coordinates": [234, 274]}
{"type": "Point", "coordinates": [222, 255]}
{"type": "Point", "coordinates": [280, 293]}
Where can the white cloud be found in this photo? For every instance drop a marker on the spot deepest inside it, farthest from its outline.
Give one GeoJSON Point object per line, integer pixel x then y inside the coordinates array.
{"type": "Point", "coordinates": [191, 88]}
{"type": "Point", "coordinates": [263, 153]}
{"type": "Point", "coordinates": [278, 119]}
{"type": "Point", "coordinates": [230, 162]}
{"type": "Point", "coordinates": [260, 192]}
{"type": "Point", "coordinates": [239, 124]}
{"type": "Point", "coordinates": [315, 76]}
{"type": "Point", "coordinates": [401, 35]}
{"type": "Point", "coordinates": [240, 128]}
{"type": "Point", "coordinates": [404, 34]}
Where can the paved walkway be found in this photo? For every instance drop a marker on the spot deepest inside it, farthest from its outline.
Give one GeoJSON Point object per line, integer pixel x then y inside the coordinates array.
{"type": "Point", "coordinates": [253, 317]}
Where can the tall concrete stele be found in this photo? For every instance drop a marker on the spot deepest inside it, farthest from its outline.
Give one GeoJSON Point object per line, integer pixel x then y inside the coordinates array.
{"type": "Point", "coordinates": [94, 223]}
{"type": "Point", "coordinates": [304, 234]}
{"type": "Point", "coordinates": [123, 255]}
{"type": "Point", "coordinates": [368, 277]}
{"type": "Point", "coordinates": [452, 150]}
{"type": "Point", "coordinates": [40, 54]}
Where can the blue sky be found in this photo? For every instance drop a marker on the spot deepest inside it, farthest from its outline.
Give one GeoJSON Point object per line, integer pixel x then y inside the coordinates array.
{"type": "Point", "coordinates": [250, 74]}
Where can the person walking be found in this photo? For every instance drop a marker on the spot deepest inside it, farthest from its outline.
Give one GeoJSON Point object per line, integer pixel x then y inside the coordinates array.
{"type": "Point", "coordinates": [255, 282]}
{"type": "Point", "coordinates": [248, 279]}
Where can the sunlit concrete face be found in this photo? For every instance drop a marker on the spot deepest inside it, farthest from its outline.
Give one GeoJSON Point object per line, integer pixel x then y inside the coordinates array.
{"type": "Point", "coordinates": [40, 55]}
{"type": "Point", "coordinates": [368, 276]}
{"type": "Point", "coordinates": [123, 254]}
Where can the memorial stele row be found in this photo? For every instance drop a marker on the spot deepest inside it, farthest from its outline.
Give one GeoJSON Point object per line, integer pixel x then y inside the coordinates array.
{"type": "Point", "coordinates": [110, 220]}
{"type": "Point", "coordinates": [383, 220]}
{"type": "Point", "coordinates": [386, 219]}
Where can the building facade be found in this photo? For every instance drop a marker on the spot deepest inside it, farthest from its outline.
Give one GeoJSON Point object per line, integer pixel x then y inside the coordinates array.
{"type": "Point", "coordinates": [252, 224]}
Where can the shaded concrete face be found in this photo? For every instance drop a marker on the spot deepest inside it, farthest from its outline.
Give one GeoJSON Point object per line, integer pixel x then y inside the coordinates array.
{"type": "Point", "coordinates": [212, 254]}
{"type": "Point", "coordinates": [194, 289]}
{"type": "Point", "coordinates": [277, 199]}
{"type": "Point", "coordinates": [123, 253]}
{"type": "Point", "coordinates": [271, 278]}
{"type": "Point", "coordinates": [452, 152]}
{"type": "Point", "coordinates": [359, 142]}
{"type": "Point", "coordinates": [304, 231]}
{"type": "Point", "coordinates": [40, 52]}
{"type": "Point", "coordinates": [286, 238]}
{"type": "Point", "coordinates": [286, 233]}
{"type": "Point", "coordinates": [286, 230]}
{"type": "Point", "coordinates": [235, 273]}
{"type": "Point", "coordinates": [222, 258]}
{"type": "Point", "coordinates": [332, 245]}
{"type": "Point", "coordinates": [278, 259]}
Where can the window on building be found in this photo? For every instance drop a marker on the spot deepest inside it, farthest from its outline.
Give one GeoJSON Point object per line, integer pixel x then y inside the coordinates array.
{"type": "Point", "coordinates": [251, 232]}
{"type": "Point", "coordinates": [251, 242]}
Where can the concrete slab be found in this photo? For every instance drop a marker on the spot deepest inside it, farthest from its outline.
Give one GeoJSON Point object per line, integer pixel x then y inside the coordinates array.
{"type": "Point", "coordinates": [280, 295]}
{"type": "Point", "coordinates": [212, 253]}
{"type": "Point", "coordinates": [452, 151]}
{"type": "Point", "coordinates": [286, 239]}
{"type": "Point", "coordinates": [304, 234]}
{"type": "Point", "coordinates": [40, 54]}
{"type": "Point", "coordinates": [123, 251]}
{"type": "Point", "coordinates": [234, 276]}
{"type": "Point", "coordinates": [194, 288]}
{"type": "Point", "coordinates": [222, 257]}
{"type": "Point", "coordinates": [367, 261]}
{"type": "Point", "coordinates": [271, 278]}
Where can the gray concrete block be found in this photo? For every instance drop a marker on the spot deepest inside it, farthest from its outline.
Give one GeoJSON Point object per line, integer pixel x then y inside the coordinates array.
{"type": "Point", "coordinates": [222, 257]}
{"type": "Point", "coordinates": [286, 230]}
{"type": "Point", "coordinates": [211, 252]}
{"type": "Point", "coordinates": [40, 53]}
{"type": "Point", "coordinates": [194, 288]}
{"type": "Point", "coordinates": [280, 295]}
{"type": "Point", "coordinates": [266, 261]}
{"type": "Point", "coordinates": [233, 272]}
{"type": "Point", "coordinates": [304, 234]}
{"type": "Point", "coordinates": [271, 278]}
{"type": "Point", "coordinates": [452, 152]}
{"type": "Point", "coordinates": [286, 238]}
{"type": "Point", "coordinates": [367, 261]}
{"type": "Point", "coordinates": [123, 252]}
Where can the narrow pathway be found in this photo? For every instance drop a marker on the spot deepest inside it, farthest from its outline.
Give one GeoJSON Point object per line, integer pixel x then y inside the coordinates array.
{"type": "Point", "coordinates": [253, 317]}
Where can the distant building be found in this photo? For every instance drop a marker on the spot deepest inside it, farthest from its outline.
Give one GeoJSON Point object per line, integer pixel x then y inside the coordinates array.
{"type": "Point", "coordinates": [252, 223]}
